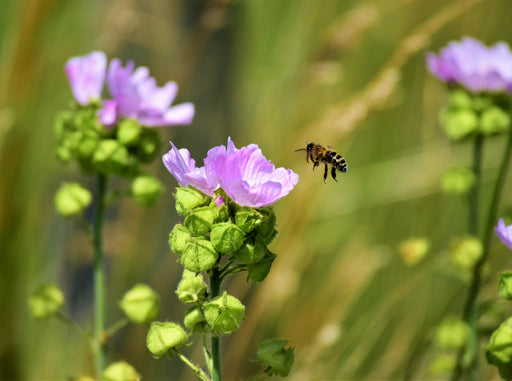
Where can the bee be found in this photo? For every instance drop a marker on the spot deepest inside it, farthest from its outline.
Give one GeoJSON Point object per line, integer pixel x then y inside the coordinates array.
{"type": "Point", "coordinates": [319, 153]}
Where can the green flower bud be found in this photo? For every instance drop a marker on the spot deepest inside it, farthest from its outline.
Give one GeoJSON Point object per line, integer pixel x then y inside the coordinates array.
{"type": "Point", "coordinates": [63, 154]}
{"type": "Point", "coordinates": [499, 350]}
{"type": "Point", "coordinates": [466, 252]}
{"type": "Point", "coordinates": [460, 98]}
{"type": "Point", "coordinates": [194, 320]}
{"type": "Point", "coordinates": [247, 219]}
{"type": "Point", "coordinates": [164, 336]}
{"type": "Point", "coordinates": [413, 250]}
{"type": "Point", "coordinates": [86, 119]}
{"type": "Point", "coordinates": [141, 304]}
{"type": "Point", "coordinates": [251, 252]}
{"type": "Point", "coordinates": [267, 228]}
{"type": "Point", "coordinates": [199, 255]}
{"type": "Point", "coordinates": [505, 285]}
{"type": "Point", "coordinates": [494, 121]}
{"type": "Point", "coordinates": [112, 157]}
{"type": "Point", "coordinates": [129, 132]}
{"type": "Point", "coordinates": [192, 288]}
{"type": "Point", "coordinates": [72, 199]}
{"type": "Point", "coordinates": [46, 301]}
{"type": "Point", "coordinates": [458, 124]}
{"type": "Point", "coordinates": [189, 198]}
{"type": "Point", "coordinates": [87, 146]}
{"type": "Point", "coordinates": [224, 314]}
{"type": "Point", "coordinates": [200, 220]}
{"type": "Point", "coordinates": [457, 180]}
{"type": "Point", "coordinates": [273, 354]}
{"type": "Point", "coordinates": [443, 364]}
{"type": "Point", "coordinates": [227, 237]}
{"type": "Point", "coordinates": [257, 272]}
{"type": "Point", "coordinates": [146, 189]}
{"type": "Point", "coordinates": [120, 371]}
{"type": "Point", "coordinates": [481, 102]}
{"type": "Point", "coordinates": [452, 334]}
{"type": "Point", "coordinates": [179, 238]}
{"type": "Point", "coordinates": [63, 124]}
{"type": "Point", "coordinates": [148, 146]}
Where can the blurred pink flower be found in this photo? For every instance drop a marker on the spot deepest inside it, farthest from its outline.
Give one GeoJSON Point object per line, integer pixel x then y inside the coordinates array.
{"type": "Point", "coordinates": [86, 75]}
{"type": "Point", "coordinates": [475, 66]}
{"type": "Point", "coordinates": [137, 96]}
{"type": "Point", "coordinates": [504, 233]}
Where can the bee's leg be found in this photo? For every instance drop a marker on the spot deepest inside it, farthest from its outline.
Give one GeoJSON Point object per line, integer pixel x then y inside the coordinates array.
{"type": "Point", "coordinates": [333, 173]}
{"type": "Point", "coordinates": [325, 173]}
{"type": "Point", "coordinates": [310, 155]}
{"type": "Point", "coordinates": [316, 164]}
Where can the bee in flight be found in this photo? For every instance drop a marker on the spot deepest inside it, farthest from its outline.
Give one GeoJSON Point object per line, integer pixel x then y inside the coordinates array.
{"type": "Point", "coordinates": [319, 153]}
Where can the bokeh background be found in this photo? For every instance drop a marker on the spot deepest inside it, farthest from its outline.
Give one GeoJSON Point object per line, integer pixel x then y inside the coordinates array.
{"type": "Point", "coordinates": [347, 73]}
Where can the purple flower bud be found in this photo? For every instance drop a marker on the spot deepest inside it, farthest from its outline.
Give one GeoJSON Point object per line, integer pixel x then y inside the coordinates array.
{"type": "Point", "coordinates": [138, 97]}
{"type": "Point", "coordinates": [504, 233]}
{"type": "Point", "coordinates": [471, 64]}
{"type": "Point", "coordinates": [86, 75]}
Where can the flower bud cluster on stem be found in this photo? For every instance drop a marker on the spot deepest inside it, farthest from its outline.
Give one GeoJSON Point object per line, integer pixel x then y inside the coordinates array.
{"type": "Point", "coordinates": [228, 224]}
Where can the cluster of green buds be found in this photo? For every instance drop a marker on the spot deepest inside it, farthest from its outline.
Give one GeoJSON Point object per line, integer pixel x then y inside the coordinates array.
{"type": "Point", "coordinates": [231, 233]}
{"type": "Point", "coordinates": [119, 150]}
{"type": "Point", "coordinates": [218, 241]}
{"type": "Point", "coordinates": [469, 114]}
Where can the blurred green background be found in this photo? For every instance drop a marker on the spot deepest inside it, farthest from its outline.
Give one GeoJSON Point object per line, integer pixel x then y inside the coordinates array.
{"type": "Point", "coordinates": [347, 73]}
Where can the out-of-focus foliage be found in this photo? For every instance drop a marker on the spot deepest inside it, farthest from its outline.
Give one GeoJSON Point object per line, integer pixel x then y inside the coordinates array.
{"type": "Point", "coordinates": [350, 74]}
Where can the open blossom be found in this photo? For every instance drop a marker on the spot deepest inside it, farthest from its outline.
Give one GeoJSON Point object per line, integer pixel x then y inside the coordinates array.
{"type": "Point", "coordinates": [137, 96]}
{"type": "Point", "coordinates": [246, 176]}
{"type": "Point", "coordinates": [86, 75]}
{"type": "Point", "coordinates": [183, 168]}
{"type": "Point", "coordinates": [475, 66]}
{"type": "Point", "coordinates": [504, 233]}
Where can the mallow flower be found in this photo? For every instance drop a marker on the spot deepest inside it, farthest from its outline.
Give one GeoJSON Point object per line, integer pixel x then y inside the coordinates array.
{"type": "Point", "coordinates": [86, 75]}
{"type": "Point", "coordinates": [504, 233]}
{"type": "Point", "coordinates": [473, 65]}
{"type": "Point", "coordinates": [136, 95]}
{"type": "Point", "coordinates": [245, 175]}
{"type": "Point", "coordinates": [179, 163]}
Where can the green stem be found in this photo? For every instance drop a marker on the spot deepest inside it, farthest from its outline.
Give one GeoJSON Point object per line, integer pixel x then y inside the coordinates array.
{"type": "Point", "coordinates": [121, 323]}
{"type": "Point", "coordinates": [215, 280]}
{"type": "Point", "coordinates": [99, 282]}
{"type": "Point", "coordinates": [200, 373]}
{"type": "Point", "coordinates": [473, 194]}
{"type": "Point", "coordinates": [470, 313]}
{"type": "Point", "coordinates": [78, 329]}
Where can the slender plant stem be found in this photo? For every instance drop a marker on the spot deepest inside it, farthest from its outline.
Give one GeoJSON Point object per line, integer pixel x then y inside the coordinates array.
{"type": "Point", "coordinates": [474, 193]}
{"type": "Point", "coordinates": [200, 373]}
{"type": "Point", "coordinates": [121, 323]}
{"type": "Point", "coordinates": [78, 329]}
{"type": "Point", "coordinates": [215, 280]}
{"type": "Point", "coordinates": [470, 313]}
{"type": "Point", "coordinates": [99, 281]}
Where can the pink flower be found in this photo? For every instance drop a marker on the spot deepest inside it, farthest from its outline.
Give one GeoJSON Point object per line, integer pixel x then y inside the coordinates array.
{"type": "Point", "coordinates": [504, 233]}
{"type": "Point", "coordinates": [471, 64]}
{"type": "Point", "coordinates": [179, 163]}
{"type": "Point", "coordinates": [246, 176]}
{"type": "Point", "coordinates": [137, 96]}
{"type": "Point", "coordinates": [86, 75]}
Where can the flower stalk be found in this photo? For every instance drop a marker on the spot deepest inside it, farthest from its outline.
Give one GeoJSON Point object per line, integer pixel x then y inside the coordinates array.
{"type": "Point", "coordinates": [99, 281]}
{"type": "Point", "coordinates": [215, 281]}
{"type": "Point", "coordinates": [470, 313]}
